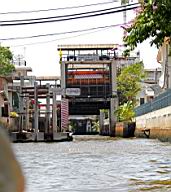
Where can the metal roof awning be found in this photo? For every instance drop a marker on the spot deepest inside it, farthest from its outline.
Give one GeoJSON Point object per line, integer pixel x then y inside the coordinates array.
{"type": "Point", "coordinates": [23, 68]}
{"type": "Point", "coordinates": [86, 46]}
{"type": "Point", "coordinates": [48, 78]}
{"type": "Point", "coordinates": [89, 62]}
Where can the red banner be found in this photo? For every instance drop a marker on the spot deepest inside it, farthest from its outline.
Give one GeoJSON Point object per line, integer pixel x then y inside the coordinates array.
{"type": "Point", "coordinates": [64, 114]}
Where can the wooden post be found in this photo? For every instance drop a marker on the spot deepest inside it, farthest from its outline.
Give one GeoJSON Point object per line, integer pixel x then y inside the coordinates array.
{"type": "Point", "coordinates": [101, 122]}
{"type": "Point", "coordinates": [112, 117]}
{"type": "Point", "coordinates": [47, 124]}
{"type": "Point", "coordinates": [21, 104]}
{"type": "Point", "coordinates": [36, 113]}
{"type": "Point", "coordinates": [54, 112]}
{"type": "Point", "coordinates": [27, 113]}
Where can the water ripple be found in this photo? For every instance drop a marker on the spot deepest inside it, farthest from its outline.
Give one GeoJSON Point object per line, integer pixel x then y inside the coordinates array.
{"type": "Point", "coordinates": [96, 165]}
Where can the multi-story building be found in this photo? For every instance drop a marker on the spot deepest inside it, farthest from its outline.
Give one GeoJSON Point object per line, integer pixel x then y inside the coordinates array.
{"type": "Point", "coordinates": [5, 102]}
{"type": "Point", "coordinates": [153, 75]}
{"type": "Point", "coordinates": [150, 87]}
{"type": "Point", "coordinates": [164, 58]}
{"type": "Point", "coordinates": [92, 69]}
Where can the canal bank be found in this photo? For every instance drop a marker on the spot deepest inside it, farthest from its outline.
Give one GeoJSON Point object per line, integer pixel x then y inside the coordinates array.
{"type": "Point", "coordinates": [153, 119]}
{"type": "Point", "coordinates": [155, 124]}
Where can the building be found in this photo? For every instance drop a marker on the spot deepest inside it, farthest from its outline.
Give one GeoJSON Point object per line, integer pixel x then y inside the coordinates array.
{"type": "Point", "coordinates": [91, 69]}
{"type": "Point", "coordinates": [5, 99]}
{"type": "Point", "coordinates": [150, 86]}
{"type": "Point", "coordinates": [153, 76]}
{"type": "Point", "coordinates": [164, 58]}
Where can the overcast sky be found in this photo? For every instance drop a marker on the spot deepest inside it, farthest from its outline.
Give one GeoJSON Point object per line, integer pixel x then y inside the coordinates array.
{"type": "Point", "coordinates": [41, 53]}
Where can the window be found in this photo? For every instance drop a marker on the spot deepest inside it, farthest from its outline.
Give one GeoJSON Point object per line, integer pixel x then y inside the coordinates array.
{"type": "Point", "coordinates": [5, 111]}
{"type": "Point", "coordinates": [141, 101]}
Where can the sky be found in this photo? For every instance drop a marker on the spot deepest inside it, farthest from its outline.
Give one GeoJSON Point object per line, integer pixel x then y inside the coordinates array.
{"type": "Point", "coordinates": [41, 53]}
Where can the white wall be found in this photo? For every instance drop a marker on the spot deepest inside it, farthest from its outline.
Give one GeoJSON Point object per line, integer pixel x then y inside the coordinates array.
{"type": "Point", "coordinates": [156, 119]}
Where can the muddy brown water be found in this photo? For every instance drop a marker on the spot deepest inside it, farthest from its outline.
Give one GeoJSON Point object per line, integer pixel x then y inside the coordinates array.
{"type": "Point", "coordinates": [96, 164]}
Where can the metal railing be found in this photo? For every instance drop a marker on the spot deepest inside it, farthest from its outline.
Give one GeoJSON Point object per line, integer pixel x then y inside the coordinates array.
{"type": "Point", "coordinates": [161, 101]}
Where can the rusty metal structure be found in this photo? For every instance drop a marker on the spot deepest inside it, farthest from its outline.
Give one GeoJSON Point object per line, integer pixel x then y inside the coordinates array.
{"type": "Point", "coordinates": [89, 68]}
{"type": "Point", "coordinates": [88, 76]}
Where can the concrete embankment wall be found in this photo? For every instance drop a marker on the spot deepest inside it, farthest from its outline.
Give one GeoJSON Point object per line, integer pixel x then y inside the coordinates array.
{"type": "Point", "coordinates": [155, 124]}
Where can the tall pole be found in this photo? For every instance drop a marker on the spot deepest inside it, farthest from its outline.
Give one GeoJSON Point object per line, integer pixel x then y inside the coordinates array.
{"type": "Point", "coordinates": [124, 2]}
{"type": "Point", "coordinates": [21, 104]}
{"type": "Point", "coordinates": [54, 115]}
{"type": "Point", "coordinates": [36, 113]}
{"type": "Point", "coordinates": [47, 125]}
{"type": "Point", "coordinates": [27, 113]}
{"type": "Point", "coordinates": [114, 99]}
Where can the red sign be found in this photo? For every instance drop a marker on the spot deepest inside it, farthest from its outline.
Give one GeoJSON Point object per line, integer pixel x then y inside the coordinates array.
{"type": "Point", "coordinates": [64, 114]}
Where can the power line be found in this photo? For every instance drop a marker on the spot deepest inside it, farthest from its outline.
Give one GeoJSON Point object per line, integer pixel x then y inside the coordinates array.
{"type": "Point", "coordinates": [60, 33]}
{"type": "Point", "coordinates": [56, 9]}
{"type": "Point", "coordinates": [71, 17]}
{"type": "Point", "coordinates": [74, 36]}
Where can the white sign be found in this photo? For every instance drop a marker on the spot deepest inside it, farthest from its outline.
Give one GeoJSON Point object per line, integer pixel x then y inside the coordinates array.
{"type": "Point", "coordinates": [73, 91]}
{"type": "Point", "coordinates": [58, 91]}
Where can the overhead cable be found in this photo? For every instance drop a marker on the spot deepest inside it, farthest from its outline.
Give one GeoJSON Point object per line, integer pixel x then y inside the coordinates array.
{"type": "Point", "coordinates": [70, 37]}
{"type": "Point", "coordinates": [71, 15]}
{"type": "Point", "coordinates": [59, 39]}
{"type": "Point", "coordinates": [56, 9]}
{"type": "Point", "coordinates": [60, 33]}
{"type": "Point", "coordinates": [23, 22]}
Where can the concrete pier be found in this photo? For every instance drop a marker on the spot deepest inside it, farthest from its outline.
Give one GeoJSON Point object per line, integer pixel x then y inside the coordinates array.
{"type": "Point", "coordinates": [25, 137]}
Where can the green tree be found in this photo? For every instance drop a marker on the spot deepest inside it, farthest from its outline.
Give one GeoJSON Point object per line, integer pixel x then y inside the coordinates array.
{"type": "Point", "coordinates": [125, 112]}
{"type": "Point", "coordinates": [6, 67]}
{"type": "Point", "coordinates": [129, 85]}
{"type": "Point", "coordinates": [152, 21]}
{"type": "Point", "coordinates": [129, 82]}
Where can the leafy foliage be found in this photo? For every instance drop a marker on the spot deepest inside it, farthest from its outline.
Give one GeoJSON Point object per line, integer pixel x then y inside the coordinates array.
{"type": "Point", "coordinates": [96, 126]}
{"type": "Point", "coordinates": [6, 67]}
{"type": "Point", "coordinates": [125, 112]}
{"type": "Point", "coordinates": [129, 82]}
{"type": "Point", "coordinates": [153, 20]}
{"type": "Point", "coordinates": [128, 87]}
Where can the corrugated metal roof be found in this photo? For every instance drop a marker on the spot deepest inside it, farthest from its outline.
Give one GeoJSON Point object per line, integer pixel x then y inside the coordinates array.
{"type": "Point", "coordinates": [48, 78]}
{"type": "Point", "coordinates": [86, 46]}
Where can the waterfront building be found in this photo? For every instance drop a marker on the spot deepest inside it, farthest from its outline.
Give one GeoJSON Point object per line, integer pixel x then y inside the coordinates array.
{"type": "Point", "coordinates": [88, 76]}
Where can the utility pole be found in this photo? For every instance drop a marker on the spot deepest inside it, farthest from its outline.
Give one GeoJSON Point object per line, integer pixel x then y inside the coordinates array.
{"type": "Point", "coordinates": [36, 113]}
{"type": "Point", "coordinates": [125, 3]}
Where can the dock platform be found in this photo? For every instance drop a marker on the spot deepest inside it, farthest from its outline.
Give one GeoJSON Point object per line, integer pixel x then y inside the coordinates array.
{"type": "Point", "coordinates": [23, 137]}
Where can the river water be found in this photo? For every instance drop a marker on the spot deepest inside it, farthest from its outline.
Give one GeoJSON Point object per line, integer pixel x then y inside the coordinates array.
{"type": "Point", "coordinates": [96, 164]}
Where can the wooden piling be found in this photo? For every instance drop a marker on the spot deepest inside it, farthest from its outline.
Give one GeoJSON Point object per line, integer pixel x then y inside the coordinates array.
{"type": "Point", "coordinates": [54, 111]}
{"type": "Point", "coordinates": [47, 124]}
{"type": "Point", "coordinates": [36, 113]}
